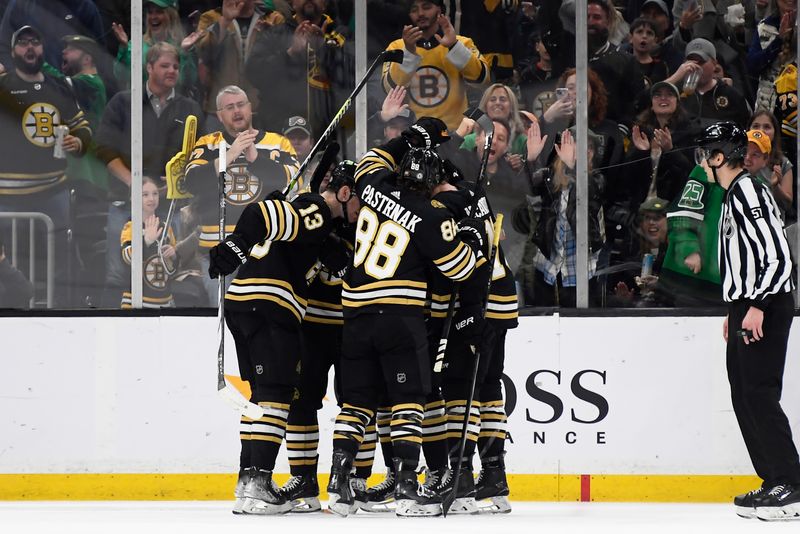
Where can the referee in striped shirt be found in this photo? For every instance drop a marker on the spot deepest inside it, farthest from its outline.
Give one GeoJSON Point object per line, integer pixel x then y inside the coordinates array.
{"type": "Point", "coordinates": [756, 269]}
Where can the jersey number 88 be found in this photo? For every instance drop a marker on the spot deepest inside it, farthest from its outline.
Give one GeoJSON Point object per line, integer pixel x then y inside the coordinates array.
{"type": "Point", "coordinates": [379, 246]}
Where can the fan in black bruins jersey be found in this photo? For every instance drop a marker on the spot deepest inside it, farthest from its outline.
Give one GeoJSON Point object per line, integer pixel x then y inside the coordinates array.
{"type": "Point", "coordinates": [400, 231]}
{"type": "Point", "coordinates": [487, 418]}
{"type": "Point", "coordinates": [258, 162]}
{"type": "Point", "coordinates": [275, 245]}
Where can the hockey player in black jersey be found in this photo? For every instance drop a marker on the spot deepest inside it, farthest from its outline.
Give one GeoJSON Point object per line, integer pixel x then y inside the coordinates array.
{"type": "Point", "coordinates": [487, 419]}
{"type": "Point", "coordinates": [400, 231]}
{"type": "Point", "coordinates": [322, 341]}
{"type": "Point", "coordinates": [275, 245]}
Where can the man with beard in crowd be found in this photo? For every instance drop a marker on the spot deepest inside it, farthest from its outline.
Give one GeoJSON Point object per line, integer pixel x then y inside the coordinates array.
{"type": "Point", "coordinates": [33, 104]}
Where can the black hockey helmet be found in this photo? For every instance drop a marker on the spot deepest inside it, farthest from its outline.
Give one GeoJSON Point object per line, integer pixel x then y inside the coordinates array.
{"type": "Point", "coordinates": [343, 175]}
{"type": "Point", "coordinates": [726, 137]}
{"type": "Point", "coordinates": [420, 168]}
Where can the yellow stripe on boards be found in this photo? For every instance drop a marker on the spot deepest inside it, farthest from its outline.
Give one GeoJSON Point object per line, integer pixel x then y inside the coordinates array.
{"type": "Point", "coordinates": [524, 487]}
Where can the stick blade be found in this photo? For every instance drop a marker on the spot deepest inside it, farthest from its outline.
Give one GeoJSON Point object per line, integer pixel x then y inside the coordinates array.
{"type": "Point", "coordinates": [232, 396]}
{"type": "Point", "coordinates": [481, 118]}
{"type": "Point", "coordinates": [328, 157]}
{"type": "Point", "coordinates": [447, 502]}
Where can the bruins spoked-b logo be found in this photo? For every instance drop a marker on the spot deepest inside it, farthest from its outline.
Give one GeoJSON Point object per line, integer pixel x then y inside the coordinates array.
{"type": "Point", "coordinates": [429, 87]}
{"type": "Point", "coordinates": [39, 122]}
{"type": "Point", "coordinates": [241, 187]}
{"type": "Point", "coordinates": [154, 275]}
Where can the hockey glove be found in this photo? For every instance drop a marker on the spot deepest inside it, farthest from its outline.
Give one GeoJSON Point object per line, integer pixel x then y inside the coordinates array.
{"type": "Point", "coordinates": [452, 174]}
{"type": "Point", "coordinates": [470, 324]}
{"type": "Point", "coordinates": [428, 132]}
{"type": "Point", "coordinates": [335, 255]}
{"type": "Point", "coordinates": [473, 233]}
{"type": "Point", "coordinates": [275, 195]}
{"type": "Point", "coordinates": [226, 256]}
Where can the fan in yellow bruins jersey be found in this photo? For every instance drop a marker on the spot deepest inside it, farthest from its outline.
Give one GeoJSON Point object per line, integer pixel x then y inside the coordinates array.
{"type": "Point", "coordinates": [275, 245]}
{"type": "Point", "coordinates": [436, 65]}
{"type": "Point", "coordinates": [487, 419]}
{"type": "Point", "coordinates": [258, 163]}
{"type": "Point", "coordinates": [400, 231]}
{"type": "Point", "coordinates": [786, 105]}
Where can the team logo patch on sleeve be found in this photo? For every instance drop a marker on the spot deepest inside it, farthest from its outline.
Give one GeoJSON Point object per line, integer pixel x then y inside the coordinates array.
{"type": "Point", "coordinates": [436, 204]}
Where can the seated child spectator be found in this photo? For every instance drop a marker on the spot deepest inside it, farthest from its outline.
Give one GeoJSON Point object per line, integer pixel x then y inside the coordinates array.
{"type": "Point", "coordinates": [155, 280]}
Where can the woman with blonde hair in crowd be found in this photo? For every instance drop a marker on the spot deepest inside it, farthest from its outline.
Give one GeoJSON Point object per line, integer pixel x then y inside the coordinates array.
{"type": "Point", "coordinates": [779, 171]}
{"type": "Point", "coordinates": [162, 24]}
{"type": "Point", "coordinates": [500, 102]}
{"type": "Point", "coordinates": [548, 270]}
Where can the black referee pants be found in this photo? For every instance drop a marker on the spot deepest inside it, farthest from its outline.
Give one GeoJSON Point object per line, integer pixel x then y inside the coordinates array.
{"type": "Point", "coordinates": [755, 373]}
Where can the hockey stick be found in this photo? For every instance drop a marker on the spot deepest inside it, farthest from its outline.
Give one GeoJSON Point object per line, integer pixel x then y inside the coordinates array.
{"type": "Point", "coordinates": [448, 500]}
{"type": "Point", "coordinates": [175, 171]}
{"type": "Point", "coordinates": [488, 127]}
{"type": "Point", "coordinates": [393, 56]}
{"type": "Point", "coordinates": [225, 390]}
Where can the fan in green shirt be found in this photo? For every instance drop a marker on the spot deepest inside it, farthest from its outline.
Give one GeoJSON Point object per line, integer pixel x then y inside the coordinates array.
{"type": "Point", "coordinates": [690, 273]}
{"type": "Point", "coordinates": [78, 68]}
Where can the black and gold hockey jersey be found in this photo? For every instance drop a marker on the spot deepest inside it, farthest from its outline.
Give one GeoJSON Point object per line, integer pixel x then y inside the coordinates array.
{"type": "Point", "coordinates": [502, 308]}
{"type": "Point", "coordinates": [245, 182]}
{"type": "Point", "coordinates": [29, 113]}
{"type": "Point", "coordinates": [786, 103]}
{"type": "Point", "coordinates": [156, 291]}
{"type": "Point", "coordinates": [285, 238]}
{"type": "Point", "coordinates": [436, 77]}
{"type": "Point", "coordinates": [325, 299]}
{"type": "Point", "coordinates": [399, 233]}
{"type": "Point", "coordinates": [325, 290]}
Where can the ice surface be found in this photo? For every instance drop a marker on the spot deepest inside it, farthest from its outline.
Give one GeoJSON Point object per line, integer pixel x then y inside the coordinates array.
{"type": "Point", "coordinates": [215, 518]}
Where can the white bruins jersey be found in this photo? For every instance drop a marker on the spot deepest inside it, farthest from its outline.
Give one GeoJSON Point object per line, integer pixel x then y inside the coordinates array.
{"type": "Point", "coordinates": [245, 182]}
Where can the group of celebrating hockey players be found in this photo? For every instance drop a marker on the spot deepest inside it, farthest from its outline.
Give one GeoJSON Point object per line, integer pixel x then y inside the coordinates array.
{"type": "Point", "coordinates": [358, 275]}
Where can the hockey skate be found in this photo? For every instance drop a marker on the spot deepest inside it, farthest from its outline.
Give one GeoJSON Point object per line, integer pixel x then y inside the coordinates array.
{"type": "Point", "coordinates": [412, 498]}
{"type": "Point", "coordinates": [781, 503]}
{"type": "Point", "coordinates": [241, 483]}
{"type": "Point", "coordinates": [359, 488]}
{"type": "Point", "coordinates": [745, 503]}
{"type": "Point", "coordinates": [263, 497]}
{"type": "Point", "coordinates": [491, 489]}
{"type": "Point", "coordinates": [380, 498]}
{"type": "Point", "coordinates": [340, 494]}
{"type": "Point", "coordinates": [302, 491]}
{"type": "Point", "coordinates": [464, 503]}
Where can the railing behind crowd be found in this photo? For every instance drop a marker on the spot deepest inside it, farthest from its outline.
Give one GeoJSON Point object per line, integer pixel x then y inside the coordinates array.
{"type": "Point", "coordinates": [17, 256]}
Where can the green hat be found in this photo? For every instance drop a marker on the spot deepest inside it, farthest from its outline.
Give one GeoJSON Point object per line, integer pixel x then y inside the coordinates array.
{"type": "Point", "coordinates": [87, 44]}
{"type": "Point", "coordinates": [654, 205]}
{"type": "Point", "coordinates": [163, 3]}
{"type": "Point", "coordinates": [269, 4]}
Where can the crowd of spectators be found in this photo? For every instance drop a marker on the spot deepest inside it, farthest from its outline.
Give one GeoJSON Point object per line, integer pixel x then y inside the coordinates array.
{"type": "Point", "coordinates": [660, 71]}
